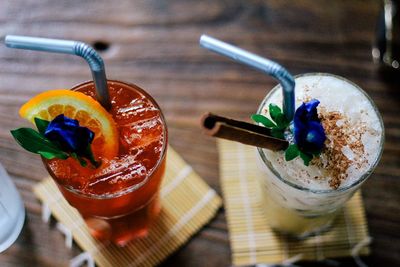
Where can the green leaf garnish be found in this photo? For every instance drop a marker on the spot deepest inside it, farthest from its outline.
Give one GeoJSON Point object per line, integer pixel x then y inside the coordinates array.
{"type": "Point", "coordinates": [281, 122]}
{"type": "Point", "coordinates": [274, 111]}
{"type": "Point", "coordinates": [52, 155]}
{"type": "Point", "coordinates": [37, 143]}
{"type": "Point", "coordinates": [306, 158]}
{"type": "Point", "coordinates": [89, 155]}
{"type": "Point", "coordinates": [278, 122]}
{"type": "Point", "coordinates": [41, 125]}
{"type": "Point", "coordinates": [277, 133]}
{"type": "Point", "coordinates": [278, 117]}
{"type": "Point", "coordinates": [79, 159]}
{"type": "Point", "coordinates": [263, 120]}
{"type": "Point", "coordinates": [34, 142]}
{"type": "Point", "coordinates": [291, 152]}
{"type": "Point", "coordinates": [280, 128]}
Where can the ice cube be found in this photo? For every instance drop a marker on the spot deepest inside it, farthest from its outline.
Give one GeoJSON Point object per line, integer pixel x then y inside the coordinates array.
{"type": "Point", "coordinates": [137, 110]}
{"type": "Point", "coordinates": [141, 134]}
{"type": "Point", "coordinates": [118, 174]}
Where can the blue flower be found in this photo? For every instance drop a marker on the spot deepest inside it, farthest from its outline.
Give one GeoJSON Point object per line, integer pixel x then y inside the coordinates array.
{"type": "Point", "coordinates": [69, 135]}
{"type": "Point", "coordinates": [309, 134]}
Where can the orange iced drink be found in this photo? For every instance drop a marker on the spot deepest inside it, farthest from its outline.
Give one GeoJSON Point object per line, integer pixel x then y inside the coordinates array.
{"type": "Point", "coordinates": [119, 199]}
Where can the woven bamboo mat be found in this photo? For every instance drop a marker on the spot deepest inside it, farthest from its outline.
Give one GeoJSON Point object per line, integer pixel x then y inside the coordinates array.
{"type": "Point", "coordinates": [253, 242]}
{"type": "Point", "coordinates": [188, 203]}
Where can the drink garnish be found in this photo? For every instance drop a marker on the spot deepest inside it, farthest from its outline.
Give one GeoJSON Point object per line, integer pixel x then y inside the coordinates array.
{"type": "Point", "coordinates": [305, 134]}
{"type": "Point", "coordinates": [241, 131]}
{"type": "Point", "coordinates": [277, 124]}
{"type": "Point", "coordinates": [79, 111]}
{"type": "Point", "coordinates": [60, 138]}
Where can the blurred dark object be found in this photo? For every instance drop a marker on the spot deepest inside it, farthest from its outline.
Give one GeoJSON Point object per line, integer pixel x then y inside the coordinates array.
{"type": "Point", "coordinates": [386, 50]}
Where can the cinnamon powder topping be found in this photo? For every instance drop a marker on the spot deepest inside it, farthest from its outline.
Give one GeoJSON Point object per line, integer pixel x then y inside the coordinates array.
{"type": "Point", "coordinates": [343, 146]}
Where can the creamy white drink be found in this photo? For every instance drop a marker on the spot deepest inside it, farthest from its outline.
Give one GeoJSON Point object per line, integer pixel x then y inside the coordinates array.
{"type": "Point", "coordinates": [303, 199]}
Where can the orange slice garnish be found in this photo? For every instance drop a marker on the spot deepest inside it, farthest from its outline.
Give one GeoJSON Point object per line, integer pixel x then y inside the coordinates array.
{"type": "Point", "coordinates": [81, 107]}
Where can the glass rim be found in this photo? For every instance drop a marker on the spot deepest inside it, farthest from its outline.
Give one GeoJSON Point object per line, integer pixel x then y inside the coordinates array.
{"type": "Point", "coordinates": [155, 168]}
{"type": "Point", "coordinates": [325, 191]}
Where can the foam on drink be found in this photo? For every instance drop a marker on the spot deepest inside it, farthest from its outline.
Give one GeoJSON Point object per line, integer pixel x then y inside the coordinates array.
{"type": "Point", "coordinates": [353, 132]}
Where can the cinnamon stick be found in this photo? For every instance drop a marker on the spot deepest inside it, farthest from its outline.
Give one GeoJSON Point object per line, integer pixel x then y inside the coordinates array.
{"type": "Point", "coordinates": [240, 131]}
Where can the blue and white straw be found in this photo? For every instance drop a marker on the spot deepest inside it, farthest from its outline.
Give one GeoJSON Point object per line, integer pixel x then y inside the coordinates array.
{"type": "Point", "coordinates": [94, 60]}
{"type": "Point", "coordinates": [262, 64]}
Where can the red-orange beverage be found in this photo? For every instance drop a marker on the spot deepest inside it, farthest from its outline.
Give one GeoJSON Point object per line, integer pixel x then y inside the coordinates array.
{"type": "Point", "coordinates": [119, 200]}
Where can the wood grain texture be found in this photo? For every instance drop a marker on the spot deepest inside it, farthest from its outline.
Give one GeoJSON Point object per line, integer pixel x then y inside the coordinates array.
{"type": "Point", "coordinates": [154, 43]}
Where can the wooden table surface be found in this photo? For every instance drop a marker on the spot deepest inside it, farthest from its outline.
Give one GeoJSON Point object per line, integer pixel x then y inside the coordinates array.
{"type": "Point", "coordinates": [155, 45]}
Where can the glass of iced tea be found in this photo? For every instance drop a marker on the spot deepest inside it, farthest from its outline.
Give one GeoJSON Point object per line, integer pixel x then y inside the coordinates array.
{"type": "Point", "coordinates": [124, 138]}
{"type": "Point", "coordinates": [120, 199]}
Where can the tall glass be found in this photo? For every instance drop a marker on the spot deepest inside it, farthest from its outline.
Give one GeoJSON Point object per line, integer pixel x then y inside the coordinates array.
{"type": "Point", "coordinates": [121, 203]}
{"type": "Point", "coordinates": [12, 211]}
{"type": "Point", "coordinates": [296, 208]}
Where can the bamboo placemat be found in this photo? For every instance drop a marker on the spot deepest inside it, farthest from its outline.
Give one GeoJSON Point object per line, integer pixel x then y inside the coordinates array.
{"type": "Point", "coordinates": [253, 241]}
{"type": "Point", "coordinates": [188, 203]}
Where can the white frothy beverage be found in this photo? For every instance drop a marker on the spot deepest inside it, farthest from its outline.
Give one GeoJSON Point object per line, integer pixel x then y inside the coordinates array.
{"type": "Point", "coordinates": [304, 199]}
